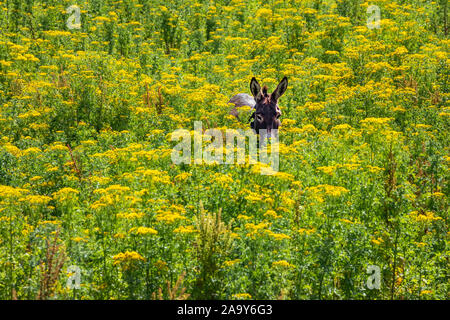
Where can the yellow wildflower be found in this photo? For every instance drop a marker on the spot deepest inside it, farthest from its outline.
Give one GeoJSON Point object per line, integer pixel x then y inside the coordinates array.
{"type": "Point", "coordinates": [146, 231]}
{"type": "Point", "coordinates": [183, 229]}
{"type": "Point", "coordinates": [282, 263]}
{"type": "Point", "coordinates": [241, 296]}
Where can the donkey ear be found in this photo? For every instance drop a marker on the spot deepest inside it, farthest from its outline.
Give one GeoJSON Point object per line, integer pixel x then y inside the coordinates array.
{"type": "Point", "coordinates": [281, 88]}
{"type": "Point", "coordinates": [255, 88]}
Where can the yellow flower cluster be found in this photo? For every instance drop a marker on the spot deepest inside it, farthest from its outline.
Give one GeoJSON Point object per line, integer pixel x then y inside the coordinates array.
{"type": "Point", "coordinates": [145, 231]}
{"type": "Point", "coordinates": [11, 192]}
{"type": "Point", "coordinates": [127, 259]}
{"type": "Point", "coordinates": [65, 194]}
{"type": "Point", "coordinates": [329, 190]}
{"type": "Point", "coordinates": [183, 229]}
{"type": "Point", "coordinates": [427, 216]}
{"type": "Point", "coordinates": [241, 296]}
{"type": "Point", "coordinates": [170, 214]}
{"type": "Point", "coordinates": [35, 200]}
{"type": "Point", "coordinates": [283, 264]}
{"type": "Point", "coordinates": [230, 263]}
{"type": "Point", "coordinates": [255, 229]}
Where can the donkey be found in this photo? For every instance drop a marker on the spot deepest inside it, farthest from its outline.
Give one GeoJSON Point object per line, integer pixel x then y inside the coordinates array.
{"type": "Point", "coordinates": [267, 113]}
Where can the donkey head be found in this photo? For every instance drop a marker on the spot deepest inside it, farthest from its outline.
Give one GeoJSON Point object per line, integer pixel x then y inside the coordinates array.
{"type": "Point", "coordinates": [267, 112]}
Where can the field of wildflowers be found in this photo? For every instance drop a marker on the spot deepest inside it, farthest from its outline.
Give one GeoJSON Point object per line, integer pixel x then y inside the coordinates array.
{"type": "Point", "coordinates": [92, 206]}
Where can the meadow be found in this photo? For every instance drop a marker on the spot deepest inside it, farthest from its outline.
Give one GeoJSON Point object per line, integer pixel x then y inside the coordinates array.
{"type": "Point", "coordinates": [92, 206]}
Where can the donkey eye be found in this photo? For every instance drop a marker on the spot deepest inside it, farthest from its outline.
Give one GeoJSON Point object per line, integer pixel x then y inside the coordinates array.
{"type": "Point", "coordinates": [259, 117]}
